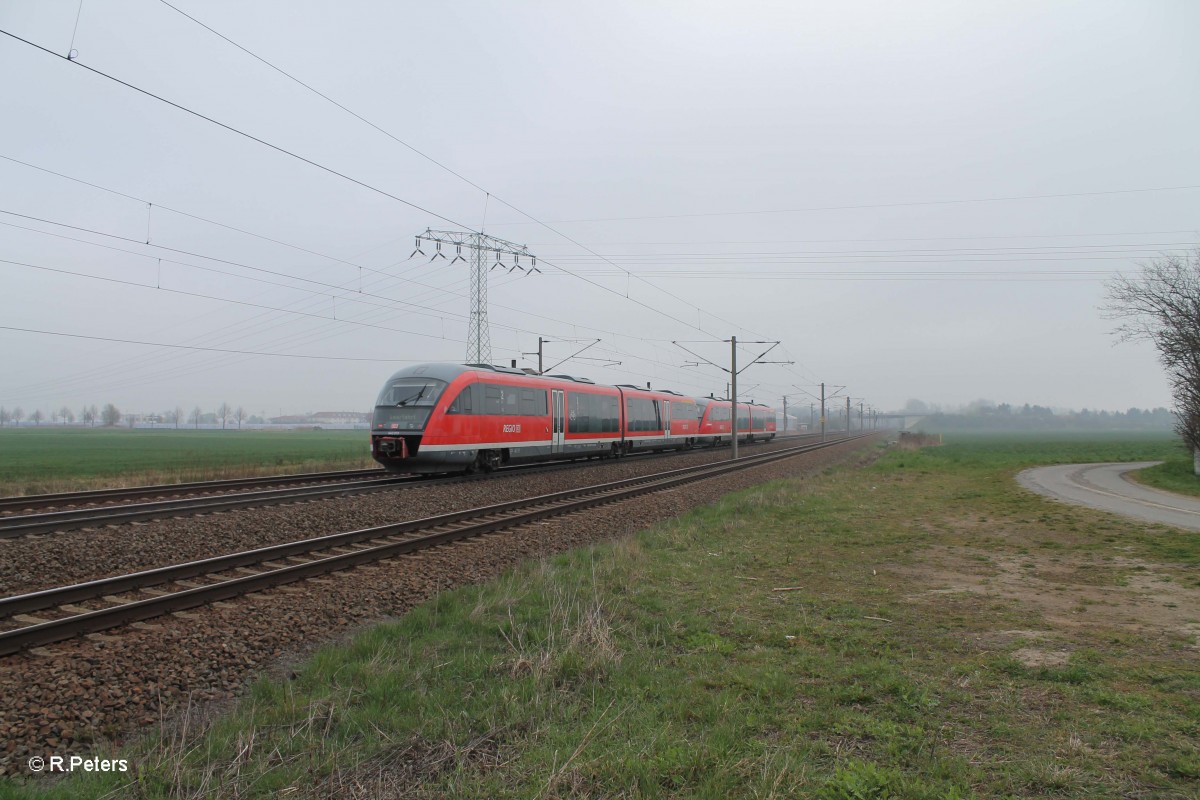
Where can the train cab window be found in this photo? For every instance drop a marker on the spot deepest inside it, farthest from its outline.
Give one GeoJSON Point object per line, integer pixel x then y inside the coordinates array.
{"type": "Point", "coordinates": [409, 391]}
{"type": "Point", "coordinates": [463, 403]}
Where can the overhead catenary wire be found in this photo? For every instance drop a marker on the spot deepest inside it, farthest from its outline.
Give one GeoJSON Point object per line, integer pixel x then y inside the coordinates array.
{"type": "Point", "coordinates": [237, 131]}
{"type": "Point", "coordinates": [193, 347]}
{"type": "Point", "coordinates": [356, 181]}
{"type": "Point", "coordinates": [626, 271]}
{"type": "Point", "coordinates": [489, 194]}
{"type": "Point", "coordinates": [865, 206]}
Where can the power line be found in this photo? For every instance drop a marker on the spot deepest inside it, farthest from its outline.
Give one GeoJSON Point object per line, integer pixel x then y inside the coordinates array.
{"type": "Point", "coordinates": [209, 349]}
{"type": "Point", "coordinates": [947, 252]}
{"type": "Point", "coordinates": [860, 206]}
{"type": "Point", "coordinates": [232, 129]}
{"type": "Point", "coordinates": [901, 238]}
{"type": "Point", "coordinates": [499, 199]}
{"type": "Point", "coordinates": [324, 96]}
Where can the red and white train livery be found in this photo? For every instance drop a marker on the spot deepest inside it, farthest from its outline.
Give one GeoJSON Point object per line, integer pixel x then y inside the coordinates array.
{"type": "Point", "coordinates": [454, 418]}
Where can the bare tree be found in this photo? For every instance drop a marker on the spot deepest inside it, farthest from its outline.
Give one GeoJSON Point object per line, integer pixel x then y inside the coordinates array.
{"type": "Point", "coordinates": [18, 414]}
{"type": "Point", "coordinates": [4, 416]}
{"type": "Point", "coordinates": [66, 415]}
{"type": "Point", "coordinates": [1162, 305]}
{"type": "Point", "coordinates": [93, 414]}
{"type": "Point", "coordinates": [37, 416]}
{"type": "Point", "coordinates": [177, 414]}
{"type": "Point", "coordinates": [110, 415]}
{"type": "Point", "coordinates": [239, 415]}
{"type": "Point", "coordinates": [195, 418]}
{"type": "Point", "coordinates": [223, 414]}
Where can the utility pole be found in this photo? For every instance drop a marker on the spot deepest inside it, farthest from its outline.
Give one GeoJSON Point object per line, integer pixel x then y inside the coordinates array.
{"type": "Point", "coordinates": [540, 352]}
{"type": "Point", "coordinates": [847, 416]}
{"type": "Point", "coordinates": [479, 338]}
{"type": "Point", "coordinates": [733, 373]}
{"type": "Point", "coordinates": [812, 419]}
{"type": "Point", "coordinates": [733, 403]}
{"type": "Point", "coordinates": [822, 412]}
{"type": "Point", "coordinates": [785, 413]}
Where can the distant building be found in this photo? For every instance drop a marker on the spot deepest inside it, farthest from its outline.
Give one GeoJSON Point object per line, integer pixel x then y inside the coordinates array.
{"type": "Point", "coordinates": [323, 418]}
{"type": "Point", "coordinates": [339, 417]}
{"type": "Point", "coordinates": [291, 419]}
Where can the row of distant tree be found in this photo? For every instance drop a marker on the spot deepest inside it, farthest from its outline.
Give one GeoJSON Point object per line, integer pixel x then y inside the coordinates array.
{"type": "Point", "coordinates": [111, 416]}
{"type": "Point", "coordinates": [983, 415]}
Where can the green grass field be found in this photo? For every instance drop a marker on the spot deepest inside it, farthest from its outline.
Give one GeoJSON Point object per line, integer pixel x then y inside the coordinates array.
{"type": "Point", "coordinates": [916, 628]}
{"type": "Point", "coordinates": [34, 460]}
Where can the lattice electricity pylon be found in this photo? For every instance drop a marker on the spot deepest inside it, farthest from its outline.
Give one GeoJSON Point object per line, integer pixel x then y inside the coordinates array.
{"type": "Point", "coordinates": [482, 246]}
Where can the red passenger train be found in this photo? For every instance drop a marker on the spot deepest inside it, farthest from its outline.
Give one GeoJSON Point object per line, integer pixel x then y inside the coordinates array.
{"type": "Point", "coordinates": [461, 418]}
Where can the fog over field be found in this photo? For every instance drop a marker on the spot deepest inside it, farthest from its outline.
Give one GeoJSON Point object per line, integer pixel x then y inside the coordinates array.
{"type": "Point", "coordinates": [917, 200]}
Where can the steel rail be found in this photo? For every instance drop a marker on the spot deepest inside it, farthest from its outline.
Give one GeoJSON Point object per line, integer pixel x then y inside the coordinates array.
{"type": "Point", "coordinates": [158, 490]}
{"type": "Point", "coordinates": [15, 526]}
{"type": "Point", "coordinates": [382, 542]}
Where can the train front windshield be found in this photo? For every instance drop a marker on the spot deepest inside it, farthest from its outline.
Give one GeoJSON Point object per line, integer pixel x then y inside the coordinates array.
{"type": "Point", "coordinates": [405, 403]}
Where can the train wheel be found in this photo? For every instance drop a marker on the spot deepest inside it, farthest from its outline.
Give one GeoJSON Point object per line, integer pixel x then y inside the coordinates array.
{"type": "Point", "coordinates": [488, 460]}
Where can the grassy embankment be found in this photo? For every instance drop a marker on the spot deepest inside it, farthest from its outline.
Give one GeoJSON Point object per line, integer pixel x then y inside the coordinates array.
{"type": "Point", "coordinates": [920, 628]}
{"type": "Point", "coordinates": [47, 459]}
{"type": "Point", "coordinates": [1176, 474]}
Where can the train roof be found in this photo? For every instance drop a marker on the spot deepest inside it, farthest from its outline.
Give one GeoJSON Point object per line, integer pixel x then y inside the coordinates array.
{"type": "Point", "coordinates": [448, 372]}
{"type": "Point", "coordinates": [705, 401]}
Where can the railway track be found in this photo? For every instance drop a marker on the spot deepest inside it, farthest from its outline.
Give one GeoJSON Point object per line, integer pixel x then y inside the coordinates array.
{"type": "Point", "coordinates": [52, 615]}
{"type": "Point", "coordinates": [345, 483]}
{"type": "Point", "coordinates": [76, 499]}
{"type": "Point", "coordinates": [14, 526]}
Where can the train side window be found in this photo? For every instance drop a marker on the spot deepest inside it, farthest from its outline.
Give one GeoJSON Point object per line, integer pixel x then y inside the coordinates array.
{"type": "Point", "coordinates": [579, 413]}
{"type": "Point", "coordinates": [533, 403]}
{"type": "Point", "coordinates": [493, 399]}
{"type": "Point", "coordinates": [611, 415]}
{"type": "Point", "coordinates": [597, 420]}
{"type": "Point", "coordinates": [511, 397]}
{"type": "Point", "coordinates": [462, 404]}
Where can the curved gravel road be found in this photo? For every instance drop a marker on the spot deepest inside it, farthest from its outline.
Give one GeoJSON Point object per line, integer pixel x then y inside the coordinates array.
{"type": "Point", "coordinates": [1104, 486]}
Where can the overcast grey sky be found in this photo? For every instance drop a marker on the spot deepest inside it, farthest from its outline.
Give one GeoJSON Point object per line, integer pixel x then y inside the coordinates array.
{"type": "Point", "coordinates": [919, 199]}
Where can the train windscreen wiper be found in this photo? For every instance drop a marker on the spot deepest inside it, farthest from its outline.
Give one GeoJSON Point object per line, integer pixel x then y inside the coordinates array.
{"type": "Point", "coordinates": [413, 398]}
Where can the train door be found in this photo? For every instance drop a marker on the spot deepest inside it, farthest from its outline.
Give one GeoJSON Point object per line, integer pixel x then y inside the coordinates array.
{"type": "Point", "coordinates": [666, 418]}
{"type": "Point", "coordinates": [557, 423]}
